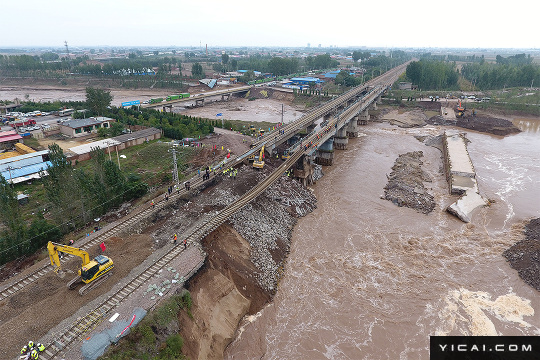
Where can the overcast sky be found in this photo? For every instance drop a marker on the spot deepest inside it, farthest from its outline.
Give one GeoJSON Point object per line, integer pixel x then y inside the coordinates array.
{"type": "Point", "coordinates": [295, 23]}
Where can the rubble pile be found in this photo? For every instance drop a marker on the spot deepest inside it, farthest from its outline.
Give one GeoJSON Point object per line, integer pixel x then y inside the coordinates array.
{"type": "Point", "coordinates": [405, 185]}
{"type": "Point", "coordinates": [524, 256]}
{"type": "Point", "coordinates": [267, 224]}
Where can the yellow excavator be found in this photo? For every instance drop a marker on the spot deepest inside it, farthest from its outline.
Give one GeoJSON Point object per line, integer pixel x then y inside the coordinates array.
{"type": "Point", "coordinates": [92, 272]}
{"type": "Point", "coordinates": [460, 109]}
{"type": "Point", "coordinates": [259, 164]}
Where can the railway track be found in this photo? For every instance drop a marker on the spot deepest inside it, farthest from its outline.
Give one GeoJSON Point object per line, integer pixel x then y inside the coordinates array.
{"type": "Point", "coordinates": [78, 328]}
{"type": "Point", "coordinates": [104, 234]}
{"type": "Point", "coordinates": [289, 129]}
{"type": "Point", "coordinates": [88, 322]}
{"type": "Point", "coordinates": [82, 325]}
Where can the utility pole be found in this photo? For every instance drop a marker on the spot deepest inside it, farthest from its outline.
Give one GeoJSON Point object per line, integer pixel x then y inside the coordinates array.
{"type": "Point", "coordinates": [118, 157]}
{"type": "Point", "coordinates": [67, 49]}
{"type": "Point", "coordinates": [175, 171]}
{"type": "Point", "coordinates": [281, 114]}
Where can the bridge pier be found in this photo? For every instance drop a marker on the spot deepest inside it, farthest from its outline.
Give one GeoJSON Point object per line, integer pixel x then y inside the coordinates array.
{"type": "Point", "coordinates": [199, 102]}
{"type": "Point", "coordinates": [310, 128]}
{"type": "Point", "coordinates": [304, 170]}
{"type": "Point", "coordinates": [227, 96]}
{"type": "Point", "coordinates": [165, 108]}
{"type": "Point", "coordinates": [340, 139]}
{"type": "Point", "coordinates": [352, 129]}
{"type": "Point", "coordinates": [363, 117]}
{"type": "Point", "coordinates": [325, 153]}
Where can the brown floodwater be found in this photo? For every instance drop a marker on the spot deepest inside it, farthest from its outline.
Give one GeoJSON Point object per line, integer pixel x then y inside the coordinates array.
{"type": "Point", "coordinates": [366, 279]}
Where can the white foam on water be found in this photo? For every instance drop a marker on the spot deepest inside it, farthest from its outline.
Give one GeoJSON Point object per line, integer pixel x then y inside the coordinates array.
{"type": "Point", "coordinates": [470, 313]}
{"type": "Point", "coordinates": [512, 177]}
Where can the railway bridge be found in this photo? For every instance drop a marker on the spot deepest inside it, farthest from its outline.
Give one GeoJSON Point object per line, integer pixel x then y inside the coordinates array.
{"type": "Point", "coordinates": [328, 127]}
{"type": "Point", "coordinates": [198, 98]}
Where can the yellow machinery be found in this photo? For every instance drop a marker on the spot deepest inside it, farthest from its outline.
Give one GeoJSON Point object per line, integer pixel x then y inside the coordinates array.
{"type": "Point", "coordinates": [259, 164]}
{"type": "Point", "coordinates": [252, 128]}
{"type": "Point", "coordinates": [92, 272]}
{"type": "Point", "coordinates": [460, 109]}
{"type": "Point", "coordinates": [285, 155]}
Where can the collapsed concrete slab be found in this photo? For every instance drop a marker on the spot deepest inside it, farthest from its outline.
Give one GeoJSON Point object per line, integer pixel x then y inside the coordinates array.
{"type": "Point", "coordinates": [466, 204]}
{"type": "Point", "coordinates": [461, 176]}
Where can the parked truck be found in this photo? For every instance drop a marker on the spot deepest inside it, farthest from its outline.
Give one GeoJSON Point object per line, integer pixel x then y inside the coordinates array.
{"type": "Point", "coordinates": [20, 123]}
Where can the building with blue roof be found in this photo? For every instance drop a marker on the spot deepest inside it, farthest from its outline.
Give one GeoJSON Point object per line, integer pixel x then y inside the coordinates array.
{"type": "Point", "coordinates": [25, 167]}
{"type": "Point", "coordinates": [306, 80]}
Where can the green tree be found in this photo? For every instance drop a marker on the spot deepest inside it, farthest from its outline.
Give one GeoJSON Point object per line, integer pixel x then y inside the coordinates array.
{"type": "Point", "coordinates": [103, 132]}
{"type": "Point", "coordinates": [98, 100]}
{"type": "Point", "coordinates": [346, 79]}
{"type": "Point", "coordinates": [10, 216]}
{"type": "Point", "coordinates": [62, 190]}
{"type": "Point", "coordinates": [49, 56]}
{"type": "Point", "coordinates": [116, 129]}
{"type": "Point", "coordinates": [197, 70]}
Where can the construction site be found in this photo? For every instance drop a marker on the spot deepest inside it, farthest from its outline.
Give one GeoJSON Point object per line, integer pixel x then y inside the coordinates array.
{"type": "Point", "coordinates": [234, 271]}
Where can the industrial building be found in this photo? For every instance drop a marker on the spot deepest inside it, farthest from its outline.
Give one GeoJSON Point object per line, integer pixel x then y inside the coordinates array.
{"type": "Point", "coordinates": [25, 167]}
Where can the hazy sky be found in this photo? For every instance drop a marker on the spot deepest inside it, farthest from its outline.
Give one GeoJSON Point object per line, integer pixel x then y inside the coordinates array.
{"type": "Point", "coordinates": [390, 23]}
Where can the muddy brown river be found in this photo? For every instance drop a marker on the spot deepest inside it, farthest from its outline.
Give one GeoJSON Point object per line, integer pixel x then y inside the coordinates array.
{"type": "Point", "coordinates": [366, 279]}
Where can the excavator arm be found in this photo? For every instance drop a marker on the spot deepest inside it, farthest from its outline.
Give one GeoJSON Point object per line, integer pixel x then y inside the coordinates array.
{"type": "Point", "coordinates": [54, 249]}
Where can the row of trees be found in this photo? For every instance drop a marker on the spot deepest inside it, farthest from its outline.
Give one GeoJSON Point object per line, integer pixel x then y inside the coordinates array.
{"type": "Point", "coordinates": [432, 75]}
{"type": "Point", "coordinates": [495, 76]}
{"type": "Point", "coordinates": [78, 196]}
{"type": "Point", "coordinates": [174, 126]}
{"type": "Point", "coordinates": [75, 198]}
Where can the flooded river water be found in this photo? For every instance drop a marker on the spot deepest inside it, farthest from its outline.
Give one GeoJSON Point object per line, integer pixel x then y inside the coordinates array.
{"type": "Point", "coordinates": [366, 279]}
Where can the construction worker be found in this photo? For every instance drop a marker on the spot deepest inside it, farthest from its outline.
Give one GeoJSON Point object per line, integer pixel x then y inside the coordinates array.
{"type": "Point", "coordinates": [153, 204]}
{"type": "Point", "coordinates": [30, 345]}
{"type": "Point", "coordinates": [34, 354]}
{"type": "Point", "coordinates": [40, 347]}
{"type": "Point", "coordinates": [24, 350]}
{"type": "Point", "coordinates": [185, 243]}
{"type": "Point", "coordinates": [175, 238]}
{"type": "Point", "coordinates": [234, 174]}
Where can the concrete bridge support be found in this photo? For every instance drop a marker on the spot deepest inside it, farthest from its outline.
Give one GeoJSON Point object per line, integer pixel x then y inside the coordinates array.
{"type": "Point", "coordinates": [310, 128]}
{"type": "Point", "coordinates": [340, 139]}
{"type": "Point", "coordinates": [325, 153]}
{"type": "Point", "coordinates": [225, 97]}
{"type": "Point", "coordinates": [352, 128]}
{"type": "Point", "coordinates": [379, 99]}
{"type": "Point", "coordinates": [199, 102]}
{"type": "Point", "coordinates": [304, 170]}
{"type": "Point", "coordinates": [165, 108]}
{"type": "Point", "coordinates": [373, 105]}
{"type": "Point", "coordinates": [363, 117]}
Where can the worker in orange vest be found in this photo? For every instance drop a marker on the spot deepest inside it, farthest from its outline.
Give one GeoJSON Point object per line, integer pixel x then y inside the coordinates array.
{"type": "Point", "coordinates": [175, 238]}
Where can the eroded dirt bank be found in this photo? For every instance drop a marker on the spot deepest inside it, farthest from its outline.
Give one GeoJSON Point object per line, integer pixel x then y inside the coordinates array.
{"type": "Point", "coordinates": [524, 256]}
{"type": "Point", "coordinates": [245, 261]}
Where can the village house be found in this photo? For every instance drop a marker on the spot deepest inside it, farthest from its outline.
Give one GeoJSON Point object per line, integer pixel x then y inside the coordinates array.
{"type": "Point", "coordinates": [83, 127]}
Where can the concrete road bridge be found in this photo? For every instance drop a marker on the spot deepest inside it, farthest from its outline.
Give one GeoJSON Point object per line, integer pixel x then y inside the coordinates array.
{"type": "Point", "coordinates": [198, 98]}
